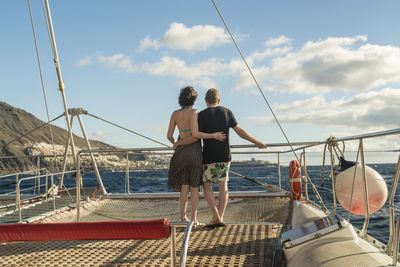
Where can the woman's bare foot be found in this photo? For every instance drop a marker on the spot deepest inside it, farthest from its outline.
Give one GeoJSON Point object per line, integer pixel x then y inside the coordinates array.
{"type": "Point", "coordinates": [197, 224]}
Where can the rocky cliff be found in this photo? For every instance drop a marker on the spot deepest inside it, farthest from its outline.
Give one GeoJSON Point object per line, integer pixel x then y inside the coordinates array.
{"type": "Point", "coordinates": [16, 152]}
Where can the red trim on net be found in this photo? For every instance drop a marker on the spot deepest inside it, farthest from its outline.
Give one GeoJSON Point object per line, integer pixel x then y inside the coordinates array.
{"type": "Point", "coordinates": [151, 229]}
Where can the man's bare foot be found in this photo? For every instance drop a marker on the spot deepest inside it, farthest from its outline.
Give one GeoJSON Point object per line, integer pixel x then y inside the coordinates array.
{"type": "Point", "coordinates": [215, 222]}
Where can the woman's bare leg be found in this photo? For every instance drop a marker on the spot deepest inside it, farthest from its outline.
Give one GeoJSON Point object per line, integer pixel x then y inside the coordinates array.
{"type": "Point", "coordinates": [183, 199]}
{"type": "Point", "coordinates": [194, 202]}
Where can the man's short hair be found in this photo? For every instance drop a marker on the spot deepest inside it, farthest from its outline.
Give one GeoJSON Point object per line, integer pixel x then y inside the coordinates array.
{"type": "Point", "coordinates": [212, 96]}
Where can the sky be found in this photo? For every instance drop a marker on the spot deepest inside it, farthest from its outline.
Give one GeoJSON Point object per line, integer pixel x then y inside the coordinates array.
{"type": "Point", "coordinates": [327, 68]}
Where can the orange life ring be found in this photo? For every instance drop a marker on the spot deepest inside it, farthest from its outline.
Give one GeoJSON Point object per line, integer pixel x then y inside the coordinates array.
{"type": "Point", "coordinates": [295, 179]}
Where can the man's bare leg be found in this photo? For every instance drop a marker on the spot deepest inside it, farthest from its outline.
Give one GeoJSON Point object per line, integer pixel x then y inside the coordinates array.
{"type": "Point", "coordinates": [209, 196]}
{"type": "Point", "coordinates": [194, 201]}
{"type": "Point", "coordinates": [223, 198]}
{"type": "Point", "coordinates": [183, 199]}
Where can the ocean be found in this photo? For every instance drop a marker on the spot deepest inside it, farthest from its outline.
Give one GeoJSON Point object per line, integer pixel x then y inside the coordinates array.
{"type": "Point", "coordinates": [145, 181]}
{"type": "Point", "coordinates": [150, 181]}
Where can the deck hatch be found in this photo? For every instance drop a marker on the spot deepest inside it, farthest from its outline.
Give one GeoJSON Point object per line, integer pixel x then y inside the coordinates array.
{"type": "Point", "coordinates": [312, 230]}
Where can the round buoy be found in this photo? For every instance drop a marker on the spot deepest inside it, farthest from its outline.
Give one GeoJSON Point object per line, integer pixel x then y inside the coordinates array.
{"type": "Point", "coordinates": [295, 179]}
{"type": "Point", "coordinates": [377, 189]}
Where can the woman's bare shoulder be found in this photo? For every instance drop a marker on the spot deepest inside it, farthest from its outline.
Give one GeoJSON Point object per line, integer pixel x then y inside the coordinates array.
{"type": "Point", "coordinates": [175, 112]}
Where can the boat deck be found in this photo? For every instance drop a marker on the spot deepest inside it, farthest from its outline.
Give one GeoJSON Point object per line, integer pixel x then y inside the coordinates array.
{"type": "Point", "coordinates": [248, 239]}
{"type": "Point", "coordinates": [232, 245]}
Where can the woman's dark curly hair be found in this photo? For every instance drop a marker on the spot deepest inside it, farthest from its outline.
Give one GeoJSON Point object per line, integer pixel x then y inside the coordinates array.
{"type": "Point", "coordinates": [187, 97]}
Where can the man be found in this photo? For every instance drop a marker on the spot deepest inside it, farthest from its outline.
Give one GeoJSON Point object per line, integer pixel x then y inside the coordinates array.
{"type": "Point", "coordinates": [216, 153]}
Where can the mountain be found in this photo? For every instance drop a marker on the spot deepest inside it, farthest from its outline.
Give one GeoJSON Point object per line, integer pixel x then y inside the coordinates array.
{"type": "Point", "coordinates": [15, 122]}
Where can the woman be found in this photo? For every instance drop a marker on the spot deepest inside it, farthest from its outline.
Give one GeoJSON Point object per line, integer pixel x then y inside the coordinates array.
{"type": "Point", "coordinates": [186, 168]}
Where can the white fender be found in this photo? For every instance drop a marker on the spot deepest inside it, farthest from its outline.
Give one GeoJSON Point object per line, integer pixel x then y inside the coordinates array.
{"type": "Point", "coordinates": [377, 189]}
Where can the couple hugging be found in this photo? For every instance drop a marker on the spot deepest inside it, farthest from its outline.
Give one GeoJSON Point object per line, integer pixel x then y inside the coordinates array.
{"type": "Point", "coordinates": [191, 165]}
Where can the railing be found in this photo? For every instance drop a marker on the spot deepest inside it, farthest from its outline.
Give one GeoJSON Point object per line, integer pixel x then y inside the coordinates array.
{"type": "Point", "coordinates": [298, 146]}
{"type": "Point", "coordinates": [278, 149]}
{"type": "Point", "coordinates": [185, 242]}
{"type": "Point", "coordinates": [52, 190]}
{"type": "Point", "coordinates": [18, 174]}
{"type": "Point", "coordinates": [34, 189]}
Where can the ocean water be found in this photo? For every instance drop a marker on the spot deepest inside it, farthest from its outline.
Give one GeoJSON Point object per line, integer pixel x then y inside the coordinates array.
{"type": "Point", "coordinates": [156, 181]}
{"type": "Point", "coordinates": [151, 181]}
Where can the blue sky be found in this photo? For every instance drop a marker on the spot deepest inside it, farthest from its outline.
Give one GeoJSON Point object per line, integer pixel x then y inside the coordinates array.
{"type": "Point", "coordinates": [326, 67]}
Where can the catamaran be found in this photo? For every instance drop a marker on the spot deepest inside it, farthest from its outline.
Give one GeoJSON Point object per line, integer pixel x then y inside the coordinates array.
{"type": "Point", "coordinates": [76, 226]}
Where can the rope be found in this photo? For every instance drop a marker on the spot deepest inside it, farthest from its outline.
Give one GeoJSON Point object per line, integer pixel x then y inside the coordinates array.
{"type": "Point", "coordinates": [126, 129]}
{"type": "Point", "coordinates": [265, 99]}
{"type": "Point", "coordinates": [266, 186]}
{"type": "Point", "coordinates": [96, 191]}
{"type": "Point", "coordinates": [42, 82]}
{"type": "Point", "coordinates": [331, 143]}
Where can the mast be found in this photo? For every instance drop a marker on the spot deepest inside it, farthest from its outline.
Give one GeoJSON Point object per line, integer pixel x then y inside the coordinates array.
{"type": "Point", "coordinates": [60, 80]}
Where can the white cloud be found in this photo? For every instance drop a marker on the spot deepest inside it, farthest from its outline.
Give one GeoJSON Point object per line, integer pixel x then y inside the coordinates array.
{"type": "Point", "coordinates": [179, 36]}
{"type": "Point", "coordinates": [201, 73]}
{"type": "Point", "coordinates": [99, 135]}
{"type": "Point", "coordinates": [277, 41]}
{"type": "Point", "coordinates": [84, 61]}
{"type": "Point", "coordinates": [258, 56]}
{"type": "Point", "coordinates": [376, 110]}
{"type": "Point", "coordinates": [301, 105]}
{"type": "Point", "coordinates": [317, 67]}
{"type": "Point", "coordinates": [148, 43]}
{"type": "Point", "coordinates": [331, 64]}
{"type": "Point", "coordinates": [119, 61]}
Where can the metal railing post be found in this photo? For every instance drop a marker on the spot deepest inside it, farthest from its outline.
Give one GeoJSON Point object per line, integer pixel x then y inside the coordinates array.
{"type": "Point", "coordinates": [396, 243]}
{"type": "Point", "coordinates": [391, 210]}
{"type": "Point", "coordinates": [173, 246]}
{"type": "Point", "coordinates": [78, 186]}
{"type": "Point", "coordinates": [38, 174]}
{"type": "Point", "coordinates": [18, 199]}
{"type": "Point", "coordinates": [46, 189]}
{"type": "Point", "coordinates": [333, 180]}
{"type": "Point", "coordinates": [53, 193]}
{"type": "Point", "coordinates": [366, 220]}
{"type": "Point", "coordinates": [303, 155]}
{"type": "Point", "coordinates": [352, 186]}
{"type": "Point", "coordinates": [127, 185]}
{"type": "Point", "coordinates": [279, 171]}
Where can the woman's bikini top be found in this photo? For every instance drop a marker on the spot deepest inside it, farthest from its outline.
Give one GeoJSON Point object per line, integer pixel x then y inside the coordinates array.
{"type": "Point", "coordinates": [185, 130]}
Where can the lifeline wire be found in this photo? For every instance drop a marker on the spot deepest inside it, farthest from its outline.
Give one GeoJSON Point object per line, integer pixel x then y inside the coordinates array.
{"type": "Point", "coordinates": [31, 131]}
{"type": "Point", "coordinates": [126, 129]}
{"type": "Point", "coordinates": [255, 80]}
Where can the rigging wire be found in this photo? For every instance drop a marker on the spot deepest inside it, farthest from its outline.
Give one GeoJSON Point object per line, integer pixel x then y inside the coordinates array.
{"type": "Point", "coordinates": [126, 129]}
{"type": "Point", "coordinates": [31, 131]}
{"type": "Point", "coordinates": [264, 97]}
{"type": "Point", "coordinates": [42, 82]}
{"type": "Point", "coordinates": [255, 80]}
